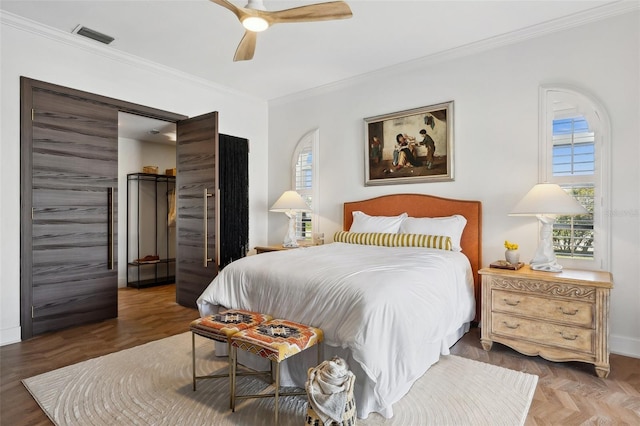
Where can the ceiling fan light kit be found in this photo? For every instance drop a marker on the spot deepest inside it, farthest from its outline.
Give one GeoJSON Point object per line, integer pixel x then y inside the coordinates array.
{"type": "Point", "coordinates": [255, 24]}
{"type": "Point", "coordinates": [255, 18]}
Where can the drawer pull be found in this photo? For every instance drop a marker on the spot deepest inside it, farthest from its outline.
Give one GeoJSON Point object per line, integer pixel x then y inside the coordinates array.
{"type": "Point", "coordinates": [568, 312]}
{"type": "Point", "coordinates": [511, 326]}
{"type": "Point", "coordinates": [567, 337]}
{"type": "Point", "coordinates": [511, 303]}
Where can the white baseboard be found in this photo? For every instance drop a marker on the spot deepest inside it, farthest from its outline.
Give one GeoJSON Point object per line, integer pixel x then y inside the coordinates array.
{"type": "Point", "coordinates": [624, 346]}
{"type": "Point", "coordinates": [10, 335]}
{"type": "Point", "coordinates": [122, 282]}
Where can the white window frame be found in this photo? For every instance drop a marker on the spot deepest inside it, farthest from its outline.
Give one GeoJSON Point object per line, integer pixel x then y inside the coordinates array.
{"type": "Point", "coordinates": [309, 139]}
{"type": "Point", "coordinates": [558, 101]}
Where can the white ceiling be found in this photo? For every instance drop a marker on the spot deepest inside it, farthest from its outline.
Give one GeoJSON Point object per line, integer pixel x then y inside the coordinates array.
{"type": "Point", "coordinates": [147, 129]}
{"type": "Point", "coordinates": [199, 38]}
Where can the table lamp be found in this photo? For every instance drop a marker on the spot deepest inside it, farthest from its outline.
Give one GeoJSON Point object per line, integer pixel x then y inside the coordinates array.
{"type": "Point", "coordinates": [290, 203]}
{"type": "Point", "coordinates": [546, 201]}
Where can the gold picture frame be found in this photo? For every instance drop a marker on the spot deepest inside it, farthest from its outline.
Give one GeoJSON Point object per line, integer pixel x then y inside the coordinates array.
{"type": "Point", "coordinates": [410, 146]}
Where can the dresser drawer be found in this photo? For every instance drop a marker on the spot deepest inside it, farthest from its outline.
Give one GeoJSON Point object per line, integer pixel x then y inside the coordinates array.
{"type": "Point", "coordinates": [543, 332]}
{"type": "Point", "coordinates": [564, 311]}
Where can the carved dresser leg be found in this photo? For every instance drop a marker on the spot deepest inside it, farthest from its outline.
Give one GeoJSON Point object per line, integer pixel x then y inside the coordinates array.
{"type": "Point", "coordinates": [602, 372]}
{"type": "Point", "coordinates": [486, 344]}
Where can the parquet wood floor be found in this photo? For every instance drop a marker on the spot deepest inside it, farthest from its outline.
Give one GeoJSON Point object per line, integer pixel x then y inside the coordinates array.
{"type": "Point", "coordinates": [567, 393]}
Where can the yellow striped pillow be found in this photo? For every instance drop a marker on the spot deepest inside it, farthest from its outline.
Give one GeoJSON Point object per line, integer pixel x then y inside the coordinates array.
{"type": "Point", "coordinates": [394, 240]}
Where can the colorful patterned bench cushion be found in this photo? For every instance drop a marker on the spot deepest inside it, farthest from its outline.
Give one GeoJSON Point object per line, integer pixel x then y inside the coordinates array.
{"type": "Point", "coordinates": [394, 240]}
{"type": "Point", "coordinates": [224, 324]}
{"type": "Point", "coordinates": [277, 339]}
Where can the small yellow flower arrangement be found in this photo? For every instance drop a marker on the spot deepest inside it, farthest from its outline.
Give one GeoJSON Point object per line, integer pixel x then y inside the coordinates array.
{"type": "Point", "coordinates": [510, 246]}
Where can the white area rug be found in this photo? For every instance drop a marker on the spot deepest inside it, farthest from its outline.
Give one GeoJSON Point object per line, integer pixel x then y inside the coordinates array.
{"type": "Point", "coordinates": [151, 385]}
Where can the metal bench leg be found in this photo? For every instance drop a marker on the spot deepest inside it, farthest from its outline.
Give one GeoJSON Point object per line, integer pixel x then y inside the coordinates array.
{"type": "Point", "coordinates": [231, 375]}
{"type": "Point", "coordinates": [233, 360]}
{"type": "Point", "coordinates": [277, 395]}
{"type": "Point", "coordinates": [271, 371]}
{"type": "Point", "coordinates": [193, 359]}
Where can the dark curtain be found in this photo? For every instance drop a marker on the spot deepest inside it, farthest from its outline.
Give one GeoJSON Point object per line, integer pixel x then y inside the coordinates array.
{"type": "Point", "coordinates": [234, 198]}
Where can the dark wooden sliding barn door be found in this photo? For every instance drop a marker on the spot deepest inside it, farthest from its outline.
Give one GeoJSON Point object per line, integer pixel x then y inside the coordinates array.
{"type": "Point", "coordinates": [69, 246]}
{"type": "Point", "coordinates": [196, 183]}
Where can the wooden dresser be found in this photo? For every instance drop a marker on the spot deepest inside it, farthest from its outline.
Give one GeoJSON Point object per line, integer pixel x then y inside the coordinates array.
{"type": "Point", "coordinates": [561, 316]}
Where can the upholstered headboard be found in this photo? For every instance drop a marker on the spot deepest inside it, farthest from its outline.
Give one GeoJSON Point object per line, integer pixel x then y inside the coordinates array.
{"type": "Point", "coordinates": [419, 205]}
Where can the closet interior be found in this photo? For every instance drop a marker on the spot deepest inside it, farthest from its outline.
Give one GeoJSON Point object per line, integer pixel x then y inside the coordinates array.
{"type": "Point", "coordinates": [151, 229]}
{"type": "Point", "coordinates": [147, 183]}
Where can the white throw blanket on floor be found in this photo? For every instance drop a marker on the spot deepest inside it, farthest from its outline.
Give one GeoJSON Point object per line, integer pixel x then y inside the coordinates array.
{"type": "Point", "coordinates": [328, 387]}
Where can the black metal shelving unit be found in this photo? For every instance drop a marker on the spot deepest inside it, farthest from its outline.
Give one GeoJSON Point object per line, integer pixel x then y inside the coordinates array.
{"type": "Point", "coordinates": [149, 232]}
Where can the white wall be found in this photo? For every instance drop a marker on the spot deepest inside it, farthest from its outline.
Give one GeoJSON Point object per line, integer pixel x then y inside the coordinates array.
{"type": "Point", "coordinates": [55, 57]}
{"type": "Point", "coordinates": [495, 139]}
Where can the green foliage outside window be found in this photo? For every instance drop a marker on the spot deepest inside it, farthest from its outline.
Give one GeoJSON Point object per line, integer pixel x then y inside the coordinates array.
{"type": "Point", "coordinates": [573, 235]}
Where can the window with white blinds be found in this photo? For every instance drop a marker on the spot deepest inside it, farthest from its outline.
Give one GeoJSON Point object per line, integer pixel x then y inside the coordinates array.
{"type": "Point", "coordinates": [304, 171]}
{"type": "Point", "coordinates": [574, 150]}
{"type": "Point", "coordinates": [574, 162]}
{"type": "Point", "coordinates": [573, 147]}
{"type": "Point", "coordinates": [303, 176]}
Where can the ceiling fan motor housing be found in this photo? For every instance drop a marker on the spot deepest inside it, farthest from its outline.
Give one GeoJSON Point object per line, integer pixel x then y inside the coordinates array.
{"type": "Point", "coordinates": [255, 4]}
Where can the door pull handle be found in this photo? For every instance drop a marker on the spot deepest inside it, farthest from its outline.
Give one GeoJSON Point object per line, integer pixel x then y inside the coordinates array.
{"type": "Point", "coordinates": [110, 219]}
{"type": "Point", "coordinates": [206, 259]}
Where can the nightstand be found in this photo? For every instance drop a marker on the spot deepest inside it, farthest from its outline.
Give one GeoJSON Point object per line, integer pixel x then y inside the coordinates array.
{"type": "Point", "coordinates": [276, 247]}
{"type": "Point", "coordinates": [560, 316]}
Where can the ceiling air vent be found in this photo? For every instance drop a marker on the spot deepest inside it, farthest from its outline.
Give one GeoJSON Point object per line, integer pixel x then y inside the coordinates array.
{"type": "Point", "coordinates": [92, 34]}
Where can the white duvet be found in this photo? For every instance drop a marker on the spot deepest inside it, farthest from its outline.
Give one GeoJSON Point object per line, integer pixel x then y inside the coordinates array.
{"type": "Point", "coordinates": [389, 311]}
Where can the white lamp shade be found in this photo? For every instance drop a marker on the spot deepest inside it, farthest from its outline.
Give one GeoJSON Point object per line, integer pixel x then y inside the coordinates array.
{"type": "Point", "coordinates": [290, 201]}
{"type": "Point", "coordinates": [547, 199]}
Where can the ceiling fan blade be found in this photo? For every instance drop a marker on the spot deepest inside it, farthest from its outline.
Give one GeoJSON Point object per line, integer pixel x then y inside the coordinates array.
{"type": "Point", "coordinates": [247, 47]}
{"type": "Point", "coordinates": [238, 11]}
{"type": "Point", "coordinates": [313, 12]}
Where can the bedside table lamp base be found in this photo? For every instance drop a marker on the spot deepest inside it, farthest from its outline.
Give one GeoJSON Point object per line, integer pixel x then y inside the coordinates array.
{"type": "Point", "coordinates": [545, 257]}
{"type": "Point", "coordinates": [290, 240]}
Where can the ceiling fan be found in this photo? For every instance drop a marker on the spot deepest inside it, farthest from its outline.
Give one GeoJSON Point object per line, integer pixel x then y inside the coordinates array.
{"type": "Point", "coordinates": [255, 18]}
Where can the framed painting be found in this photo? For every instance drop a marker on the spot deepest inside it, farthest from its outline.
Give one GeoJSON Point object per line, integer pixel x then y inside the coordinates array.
{"type": "Point", "coordinates": [410, 146]}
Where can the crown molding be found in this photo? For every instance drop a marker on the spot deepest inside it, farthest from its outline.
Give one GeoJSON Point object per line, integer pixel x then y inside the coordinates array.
{"type": "Point", "coordinates": [93, 47]}
{"type": "Point", "coordinates": [592, 15]}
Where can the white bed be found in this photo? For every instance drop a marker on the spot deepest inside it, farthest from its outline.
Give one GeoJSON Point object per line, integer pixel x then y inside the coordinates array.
{"type": "Point", "coordinates": [389, 311]}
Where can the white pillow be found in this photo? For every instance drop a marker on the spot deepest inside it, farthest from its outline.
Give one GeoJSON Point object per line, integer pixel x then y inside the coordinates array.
{"type": "Point", "coordinates": [449, 226]}
{"type": "Point", "coordinates": [362, 222]}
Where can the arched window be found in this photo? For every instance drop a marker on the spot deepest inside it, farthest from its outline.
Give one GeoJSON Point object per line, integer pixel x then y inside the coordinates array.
{"type": "Point", "coordinates": [304, 166]}
{"type": "Point", "coordinates": [574, 153]}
